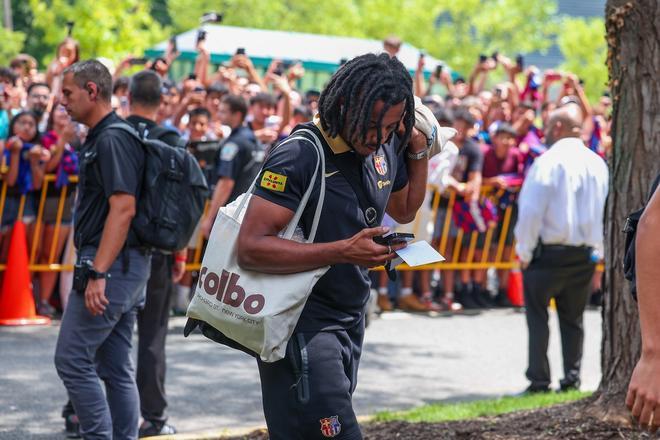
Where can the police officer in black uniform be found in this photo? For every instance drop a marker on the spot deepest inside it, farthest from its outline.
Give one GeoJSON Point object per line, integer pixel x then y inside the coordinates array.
{"type": "Point", "coordinates": [144, 97]}
{"type": "Point", "coordinates": [240, 158]}
{"type": "Point", "coordinates": [365, 122]}
{"type": "Point", "coordinates": [111, 270]}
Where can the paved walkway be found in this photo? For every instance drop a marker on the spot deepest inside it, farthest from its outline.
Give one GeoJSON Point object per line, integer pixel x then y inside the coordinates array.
{"type": "Point", "coordinates": [408, 360]}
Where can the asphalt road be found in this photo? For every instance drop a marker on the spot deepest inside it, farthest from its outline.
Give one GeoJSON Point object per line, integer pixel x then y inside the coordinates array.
{"type": "Point", "coordinates": [408, 360]}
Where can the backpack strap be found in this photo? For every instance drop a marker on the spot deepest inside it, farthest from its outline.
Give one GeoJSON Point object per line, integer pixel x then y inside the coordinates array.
{"type": "Point", "coordinates": [159, 132]}
{"type": "Point", "coordinates": [142, 130]}
{"type": "Point", "coordinates": [181, 143]}
{"type": "Point", "coordinates": [131, 234]}
{"type": "Point", "coordinates": [125, 126]}
{"type": "Point", "coordinates": [121, 126]}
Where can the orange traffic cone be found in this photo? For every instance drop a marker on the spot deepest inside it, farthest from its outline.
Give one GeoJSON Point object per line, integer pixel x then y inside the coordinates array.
{"type": "Point", "coordinates": [16, 301]}
{"type": "Point", "coordinates": [515, 289]}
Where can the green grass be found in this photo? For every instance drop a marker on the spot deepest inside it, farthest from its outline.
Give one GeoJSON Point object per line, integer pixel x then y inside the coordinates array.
{"type": "Point", "coordinates": [444, 412]}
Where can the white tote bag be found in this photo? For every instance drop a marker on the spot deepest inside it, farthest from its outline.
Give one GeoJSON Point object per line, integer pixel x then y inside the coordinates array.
{"type": "Point", "coordinates": [257, 310]}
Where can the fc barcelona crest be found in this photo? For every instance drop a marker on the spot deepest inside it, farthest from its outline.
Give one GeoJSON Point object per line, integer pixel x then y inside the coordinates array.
{"type": "Point", "coordinates": [330, 426]}
{"type": "Point", "coordinates": [381, 164]}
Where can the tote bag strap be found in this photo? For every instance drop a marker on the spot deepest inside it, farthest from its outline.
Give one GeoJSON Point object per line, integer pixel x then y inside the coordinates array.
{"type": "Point", "coordinates": [243, 203]}
{"type": "Point", "coordinates": [290, 230]}
{"type": "Point", "coordinates": [319, 206]}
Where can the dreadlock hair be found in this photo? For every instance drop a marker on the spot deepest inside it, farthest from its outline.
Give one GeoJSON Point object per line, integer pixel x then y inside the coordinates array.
{"type": "Point", "coordinates": [352, 91]}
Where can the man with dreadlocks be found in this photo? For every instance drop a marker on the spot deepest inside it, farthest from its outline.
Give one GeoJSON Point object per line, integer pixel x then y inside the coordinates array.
{"type": "Point", "coordinates": [366, 125]}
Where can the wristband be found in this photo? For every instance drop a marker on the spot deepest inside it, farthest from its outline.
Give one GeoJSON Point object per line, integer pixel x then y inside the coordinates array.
{"type": "Point", "coordinates": [180, 259]}
{"type": "Point", "coordinates": [418, 156]}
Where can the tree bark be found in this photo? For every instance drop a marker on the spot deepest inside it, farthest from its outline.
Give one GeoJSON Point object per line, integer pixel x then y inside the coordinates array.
{"type": "Point", "coordinates": [633, 38]}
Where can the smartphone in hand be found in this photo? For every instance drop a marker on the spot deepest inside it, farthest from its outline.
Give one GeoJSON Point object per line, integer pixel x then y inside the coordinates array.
{"type": "Point", "coordinates": [138, 61]}
{"type": "Point", "coordinates": [394, 238]}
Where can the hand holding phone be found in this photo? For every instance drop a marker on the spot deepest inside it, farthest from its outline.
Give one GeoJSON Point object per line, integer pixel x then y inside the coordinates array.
{"type": "Point", "coordinates": [394, 238]}
{"type": "Point", "coordinates": [137, 61]}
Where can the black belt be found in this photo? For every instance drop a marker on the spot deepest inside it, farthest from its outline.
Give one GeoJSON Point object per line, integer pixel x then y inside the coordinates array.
{"type": "Point", "coordinates": [558, 248]}
{"type": "Point", "coordinates": [564, 247]}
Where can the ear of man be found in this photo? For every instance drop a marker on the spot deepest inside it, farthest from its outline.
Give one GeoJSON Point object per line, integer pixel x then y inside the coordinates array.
{"type": "Point", "coordinates": [92, 89]}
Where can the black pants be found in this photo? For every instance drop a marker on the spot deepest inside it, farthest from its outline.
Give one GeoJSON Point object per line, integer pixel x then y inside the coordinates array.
{"type": "Point", "coordinates": [563, 273]}
{"type": "Point", "coordinates": [308, 394]}
{"type": "Point", "coordinates": [152, 331]}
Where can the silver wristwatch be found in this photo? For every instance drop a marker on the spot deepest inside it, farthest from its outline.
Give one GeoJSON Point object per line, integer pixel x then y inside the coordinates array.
{"type": "Point", "coordinates": [418, 156]}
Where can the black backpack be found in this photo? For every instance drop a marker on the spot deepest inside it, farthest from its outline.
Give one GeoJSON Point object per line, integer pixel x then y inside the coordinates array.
{"type": "Point", "coordinates": [630, 229]}
{"type": "Point", "coordinates": [174, 192]}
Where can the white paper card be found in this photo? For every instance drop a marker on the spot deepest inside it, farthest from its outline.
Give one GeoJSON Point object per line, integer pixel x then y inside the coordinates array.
{"type": "Point", "coordinates": [419, 253]}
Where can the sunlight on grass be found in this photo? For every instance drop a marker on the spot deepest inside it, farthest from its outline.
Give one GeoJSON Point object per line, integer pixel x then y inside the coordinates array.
{"type": "Point", "coordinates": [442, 412]}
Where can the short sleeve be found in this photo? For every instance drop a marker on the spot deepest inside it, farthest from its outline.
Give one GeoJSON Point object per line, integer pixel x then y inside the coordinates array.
{"type": "Point", "coordinates": [287, 173]}
{"type": "Point", "coordinates": [121, 163]}
{"type": "Point", "coordinates": [401, 178]}
{"type": "Point", "coordinates": [228, 163]}
{"type": "Point", "coordinates": [476, 159]}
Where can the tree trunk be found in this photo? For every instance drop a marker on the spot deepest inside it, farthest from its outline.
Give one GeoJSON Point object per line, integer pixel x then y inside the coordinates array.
{"type": "Point", "coordinates": [633, 37]}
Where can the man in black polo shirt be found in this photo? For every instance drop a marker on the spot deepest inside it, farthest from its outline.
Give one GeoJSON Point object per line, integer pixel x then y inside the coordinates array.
{"type": "Point", "coordinates": [144, 97]}
{"type": "Point", "coordinates": [96, 333]}
{"type": "Point", "coordinates": [239, 159]}
{"type": "Point", "coordinates": [365, 121]}
{"type": "Point", "coordinates": [145, 94]}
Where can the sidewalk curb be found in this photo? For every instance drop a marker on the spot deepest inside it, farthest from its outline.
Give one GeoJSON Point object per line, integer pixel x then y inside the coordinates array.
{"type": "Point", "coordinates": [208, 434]}
{"type": "Point", "coordinates": [218, 434]}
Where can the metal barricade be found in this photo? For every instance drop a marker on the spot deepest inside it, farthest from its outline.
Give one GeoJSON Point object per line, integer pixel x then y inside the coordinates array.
{"type": "Point", "coordinates": [490, 245]}
{"type": "Point", "coordinates": [35, 231]}
{"type": "Point", "coordinates": [479, 253]}
{"type": "Point", "coordinates": [494, 258]}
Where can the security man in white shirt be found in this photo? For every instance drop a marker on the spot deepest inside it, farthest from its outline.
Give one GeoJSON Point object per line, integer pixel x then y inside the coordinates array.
{"type": "Point", "coordinates": [559, 239]}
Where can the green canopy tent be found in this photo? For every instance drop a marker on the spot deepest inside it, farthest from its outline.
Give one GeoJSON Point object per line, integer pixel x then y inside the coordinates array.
{"type": "Point", "coordinates": [320, 54]}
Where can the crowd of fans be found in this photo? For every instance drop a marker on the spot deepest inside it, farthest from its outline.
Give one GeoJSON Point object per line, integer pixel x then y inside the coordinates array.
{"type": "Point", "coordinates": [500, 131]}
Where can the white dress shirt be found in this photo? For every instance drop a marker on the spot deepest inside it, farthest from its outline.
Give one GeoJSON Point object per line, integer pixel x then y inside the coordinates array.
{"type": "Point", "coordinates": [562, 199]}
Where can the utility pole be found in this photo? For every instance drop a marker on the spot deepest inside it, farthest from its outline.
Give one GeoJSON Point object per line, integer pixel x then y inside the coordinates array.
{"type": "Point", "coordinates": [7, 12]}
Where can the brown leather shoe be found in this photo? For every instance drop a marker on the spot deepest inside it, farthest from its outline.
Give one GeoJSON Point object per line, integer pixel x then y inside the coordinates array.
{"type": "Point", "coordinates": [384, 303]}
{"type": "Point", "coordinates": [412, 303]}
